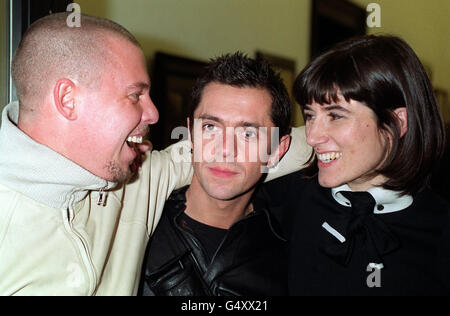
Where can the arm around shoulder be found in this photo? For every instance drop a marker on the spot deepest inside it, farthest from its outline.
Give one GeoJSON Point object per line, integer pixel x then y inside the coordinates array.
{"type": "Point", "coordinates": [162, 173]}
{"type": "Point", "coordinates": [295, 158]}
{"type": "Point", "coordinates": [174, 164]}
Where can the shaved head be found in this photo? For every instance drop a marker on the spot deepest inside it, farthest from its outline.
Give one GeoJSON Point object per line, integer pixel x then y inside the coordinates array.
{"type": "Point", "coordinates": [51, 50]}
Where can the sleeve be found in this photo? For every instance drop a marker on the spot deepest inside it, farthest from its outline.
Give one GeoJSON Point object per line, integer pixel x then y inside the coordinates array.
{"type": "Point", "coordinates": [176, 163]}
{"type": "Point", "coordinates": [162, 172]}
{"type": "Point", "coordinates": [294, 160]}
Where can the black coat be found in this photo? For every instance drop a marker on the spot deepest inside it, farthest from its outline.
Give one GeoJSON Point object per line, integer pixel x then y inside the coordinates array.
{"type": "Point", "coordinates": [419, 264]}
{"type": "Point", "coordinates": [250, 260]}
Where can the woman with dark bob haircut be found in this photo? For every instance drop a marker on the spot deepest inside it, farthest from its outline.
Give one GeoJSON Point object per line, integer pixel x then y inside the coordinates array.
{"type": "Point", "coordinates": [361, 218]}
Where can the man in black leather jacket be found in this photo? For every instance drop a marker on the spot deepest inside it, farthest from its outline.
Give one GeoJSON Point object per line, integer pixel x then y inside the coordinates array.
{"type": "Point", "coordinates": [214, 238]}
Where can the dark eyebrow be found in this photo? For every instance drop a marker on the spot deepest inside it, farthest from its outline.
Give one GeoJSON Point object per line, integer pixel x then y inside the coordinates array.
{"type": "Point", "coordinates": [328, 107]}
{"type": "Point", "coordinates": [139, 85]}
{"type": "Point", "coordinates": [219, 120]}
{"type": "Point", "coordinates": [332, 107]}
{"type": "Point", "coordinates": [248, 124]}
{"type": "Point", "coordinates": [209, 118]}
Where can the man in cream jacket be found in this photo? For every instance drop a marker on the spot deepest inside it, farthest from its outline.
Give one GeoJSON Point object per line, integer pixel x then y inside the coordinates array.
{"type": "Point", "coordinates": [68, 224]}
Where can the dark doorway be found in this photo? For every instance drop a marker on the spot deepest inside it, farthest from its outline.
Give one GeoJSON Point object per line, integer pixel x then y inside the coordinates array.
{"type": "Point", "coordinates": [334, 21]}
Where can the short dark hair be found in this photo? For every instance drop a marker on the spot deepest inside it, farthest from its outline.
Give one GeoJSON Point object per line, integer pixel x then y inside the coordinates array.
{"type": "Point", "coordinates": [240, 71]}
{"type": "Point", "coordinates": [384, 73]}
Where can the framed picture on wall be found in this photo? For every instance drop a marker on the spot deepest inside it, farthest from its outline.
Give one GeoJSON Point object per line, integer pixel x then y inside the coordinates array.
{"type": "Point", "coordinates": [287, 69]}
{"type": "Point", "coordinates": [172, 82]}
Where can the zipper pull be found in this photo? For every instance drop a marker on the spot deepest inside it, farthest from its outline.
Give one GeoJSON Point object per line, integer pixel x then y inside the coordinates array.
{"type": "Point", "coordinates": [100, 198]}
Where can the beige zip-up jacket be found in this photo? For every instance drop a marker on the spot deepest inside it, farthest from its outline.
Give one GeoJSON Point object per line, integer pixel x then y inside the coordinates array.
{"type": "Point", "coordinates": [55, 236]}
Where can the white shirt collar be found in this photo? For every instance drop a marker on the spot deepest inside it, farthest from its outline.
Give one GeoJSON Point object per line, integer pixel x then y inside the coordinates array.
{"type": "Point", "coordinates": [387, 201]}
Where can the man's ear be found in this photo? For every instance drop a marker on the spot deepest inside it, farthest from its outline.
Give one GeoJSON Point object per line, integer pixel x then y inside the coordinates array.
{"type": "Point", "coordinates": [282, 148]}
{"type": "Point", "coordinates": [64, 98]}
{"type": "Point", "coordinates": [402, 117]}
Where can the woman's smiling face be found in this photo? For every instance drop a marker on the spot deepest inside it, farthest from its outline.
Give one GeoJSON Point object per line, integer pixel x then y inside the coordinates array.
{"type": "Point", "coordinates": [348, 143]}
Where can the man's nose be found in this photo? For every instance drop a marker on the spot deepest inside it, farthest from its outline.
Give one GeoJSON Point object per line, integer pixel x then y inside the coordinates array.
{"type": "Point", "coordinates": [229, 149]}
{"type": "Point", "coordinates": [150, 114]}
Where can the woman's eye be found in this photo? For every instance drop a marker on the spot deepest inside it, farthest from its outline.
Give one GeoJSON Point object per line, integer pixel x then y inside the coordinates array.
{"type": "Point", "coordinates": [307, 116]}
{"type": "Point", "coordinates": [335, 116]}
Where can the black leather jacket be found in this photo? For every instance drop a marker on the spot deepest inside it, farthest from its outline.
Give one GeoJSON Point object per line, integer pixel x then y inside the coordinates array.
{"type": "Point", "coordinates": [250, 260]}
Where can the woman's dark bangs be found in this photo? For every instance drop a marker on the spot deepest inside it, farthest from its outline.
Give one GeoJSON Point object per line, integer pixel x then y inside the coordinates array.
{"type": "Point", "coordinates": [316, 86]}
{"type": "Point", "coordinates": [325, 82]}
{"type": "Point", "coordinates": [350, 80]}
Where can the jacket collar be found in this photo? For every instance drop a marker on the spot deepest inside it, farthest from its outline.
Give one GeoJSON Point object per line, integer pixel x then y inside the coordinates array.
{"type": "Point", "coordinates": [176, 205]}
{"type": "Point", "coordinates": [387, 201]}
{"type": "Point", "coordinates": [37, 171]}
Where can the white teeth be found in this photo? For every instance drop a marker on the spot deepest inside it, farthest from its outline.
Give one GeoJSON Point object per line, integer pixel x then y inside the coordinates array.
{"type": "Point", "coordinates": [135, 139]}
{"type": "Point", "coordinates": [328, 157]}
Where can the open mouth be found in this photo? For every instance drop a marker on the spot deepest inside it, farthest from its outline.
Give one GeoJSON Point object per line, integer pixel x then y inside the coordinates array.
{"type": "Point", "coordinates": [133, 143]}
{"type": "Point", "coordinates": [134, 140]}
{"type": "Point", "coordinates": [329, 157]}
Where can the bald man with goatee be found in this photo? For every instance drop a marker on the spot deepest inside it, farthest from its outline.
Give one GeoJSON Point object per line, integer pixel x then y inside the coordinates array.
{"type": "Point", "coordinates": [68, 224]}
